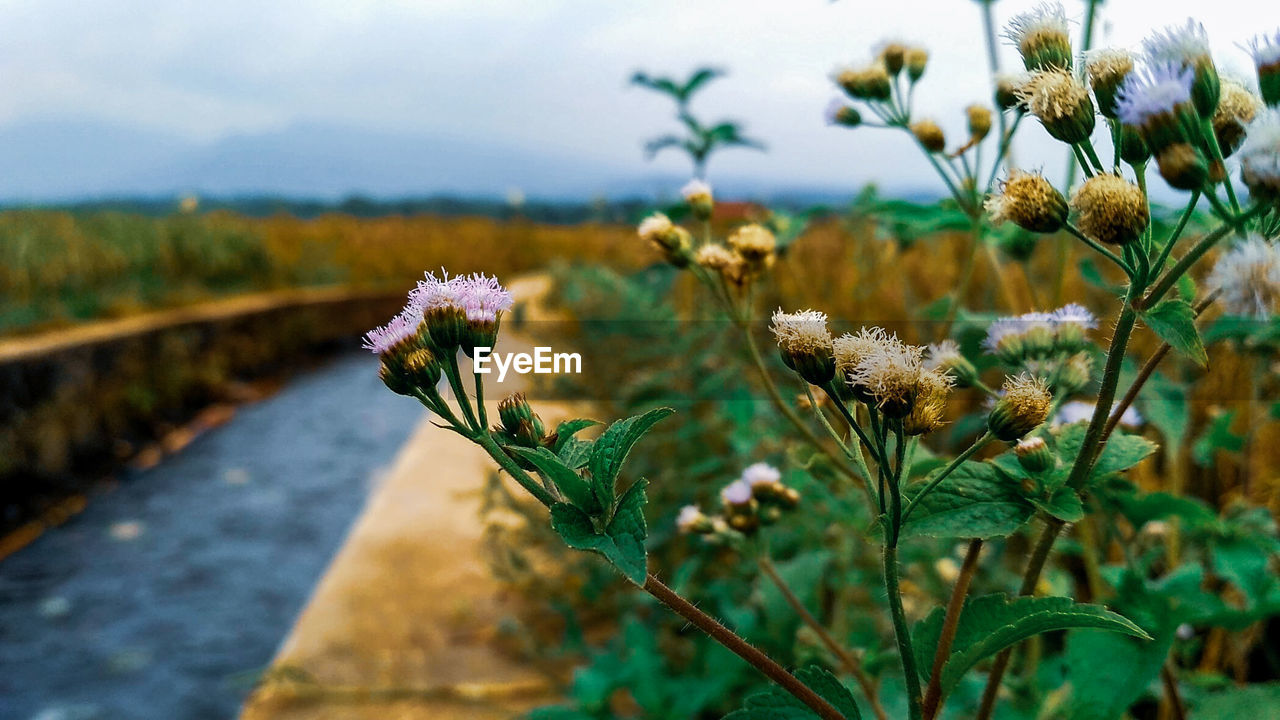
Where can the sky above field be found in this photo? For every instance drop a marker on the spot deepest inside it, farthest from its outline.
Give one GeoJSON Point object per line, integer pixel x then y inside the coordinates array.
{"type": "Point", "coordinates": [545, 76]}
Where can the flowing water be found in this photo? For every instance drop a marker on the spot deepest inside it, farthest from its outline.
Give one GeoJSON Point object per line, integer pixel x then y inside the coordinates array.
{"type": "Point", "coordinates": [171, 591]}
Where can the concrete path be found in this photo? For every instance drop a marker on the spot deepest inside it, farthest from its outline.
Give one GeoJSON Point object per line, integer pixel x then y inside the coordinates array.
{"type": "Point", "coordinates": [402, 624]}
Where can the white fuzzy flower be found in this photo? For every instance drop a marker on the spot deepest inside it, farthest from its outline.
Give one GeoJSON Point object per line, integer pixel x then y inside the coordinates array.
{"type": "Point", "coordinates": [1180, 45]}
{"type": "Point", "coordinates": [801, 332]}
{"type": "Point", "coordinates": [943, 355]}
{"type": "Point", "coordinates": [1248, 276]}
{"type": "Point", "coordinates": [695, 188]}
{"type": "Point", "coordinates": [653, 226]}
{"type": "Point", "coordinates": [1265, 49]}
{"type": "Point", "coordinates": [1144, 95]}
{"type": "Point", "coordinates": [737, 492]}
{"type": "Point", "coordinates": [690, 517]}
{"type": "Point", "coordinates": [1044, 18]}
{"type": "Point", "coordinates": [1074, 314]}
{"type": "Point", "coordinates": [760, 474]}
{"type": "Point", "coordinates": [1260, 153]}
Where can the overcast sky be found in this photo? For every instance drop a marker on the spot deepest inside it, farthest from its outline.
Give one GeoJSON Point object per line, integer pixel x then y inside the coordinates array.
{"type": "Point", "coordinates": [546, 74]}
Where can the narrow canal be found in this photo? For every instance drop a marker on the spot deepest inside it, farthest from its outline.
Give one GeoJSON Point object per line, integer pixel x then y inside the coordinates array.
{"type": "Point", "coordinates": [172, 590]}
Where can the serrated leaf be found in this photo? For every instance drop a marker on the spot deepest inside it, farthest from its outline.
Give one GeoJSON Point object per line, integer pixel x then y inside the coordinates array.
{"type": "Point", "coordinates": [1174, 320]}
{"type": "Point", "coordinates": [621, 543]}
{"type": "Point", "coordinates": [974, 501]}
{"type": "Point", "coordinates": [1122, 452]}
{"type": "Point", "coordinates": [991, 623]}
{"type": "Point", "coordinates": [613, 446]}
{"type": "Point", "coordinates": [777, 704]}
{"type": "Point", "coordinates": [567, 429]}
{"type": "Point", "coordinates": [573, 485]}
{"type": "Point", "coordinates": [628, 531]}
{"type": "Point", "coordinates": [576, 453]}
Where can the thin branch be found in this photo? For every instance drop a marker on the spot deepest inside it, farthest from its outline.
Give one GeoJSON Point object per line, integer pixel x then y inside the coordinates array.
{"type": "Point", "coordinates": [933, 694]}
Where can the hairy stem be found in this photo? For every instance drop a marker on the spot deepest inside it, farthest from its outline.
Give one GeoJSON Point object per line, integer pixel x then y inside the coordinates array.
{"type": "Point", "coordinates": [1035, 565]}
{"type": "Point", "coordinates": [933, 694]}
{"type": "Point", "coordinates": [741, 648]}
{"type": "Point", "coordinates": [902, 632]}
{"type": "Point", "coordinates": [850, 663]}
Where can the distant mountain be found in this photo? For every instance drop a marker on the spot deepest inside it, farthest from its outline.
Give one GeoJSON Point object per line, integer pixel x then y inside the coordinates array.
{"type": "Point", "coordinates": [52, 162]}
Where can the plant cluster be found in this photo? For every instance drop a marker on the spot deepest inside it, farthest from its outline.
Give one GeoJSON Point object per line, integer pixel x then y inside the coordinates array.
{"type": "Point", "coordinates": [878, 402]}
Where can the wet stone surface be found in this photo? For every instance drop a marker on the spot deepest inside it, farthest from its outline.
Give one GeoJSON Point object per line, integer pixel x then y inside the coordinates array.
{"type": "Point", "coordinates": [169, 594]}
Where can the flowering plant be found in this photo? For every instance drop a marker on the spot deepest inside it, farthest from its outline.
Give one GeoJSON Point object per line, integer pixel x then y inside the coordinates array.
{"type": "Point", "coordinates": [1041, 454]}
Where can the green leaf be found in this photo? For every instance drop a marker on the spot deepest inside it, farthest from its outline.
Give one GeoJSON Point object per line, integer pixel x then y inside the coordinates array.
{"type": "Point", "coordinates": [621, 543]}
{"type": "Point", "coordinates": [1064, 504]}
{"type": "Point", "coordinates": [1109, 672]}
{"type": "Point", "coordinates": [613, 446]}
{"type": "Point", "coordinates": [1174, 320]}
{"type": "Point", "coordinates": [576, 453]}
{"type": "Point", "coordinates": [1165, 405]}
{"type": "Point", "coordinates": [1253, 701]}
{"type": "Point", "coordinates": [573, 485]}
{"type": "Point", "coordinates": [991, 623]}
{"type": "Point", "coordinates": [567, 429]}
{"type": "Point", "coordinates": [974, 501]}
{"type": "Point", "coordinates": [1121, 453]}
{"type": "Point", "coordinates": [777, 704]}
{"type": "Point", "coordinates": [1216, 436]}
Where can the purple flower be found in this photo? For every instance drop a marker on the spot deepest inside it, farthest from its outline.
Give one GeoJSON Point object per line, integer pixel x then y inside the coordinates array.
{"type": "Point", "coordinates": [1144, 95]}
{"type": "Point", "coordinates": [1075, 313]}
{"type": "Point", "coordinates": [480, 297]}
{"type": "Point", "coordinates": [737, 492]}
{"type": "Point", "coordinates": [401, 328]}
{"type": "Point", "coordinates": [760, 474]}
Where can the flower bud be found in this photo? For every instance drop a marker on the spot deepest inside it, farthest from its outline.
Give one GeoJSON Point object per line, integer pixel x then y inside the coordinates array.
{"type": "Point", "coordinates": [1107, 70]}
{"type": "Point", "coordinates": [1111, 209]}
{"type": "Point", "coordinates": [870, 83]}
{"type": "Point", "coordinates": [917, 58]}
{"type": "Point", "coordinates": [1022, 407]}
{"type": "Point", "coordinates": [1183, 166]}
{"type": "Point", "coordinates": [1006, 95]}
{"type": "Point", "coordinates": [1133, 149]}
{"type": "Point", "coordinates": [979, 118]}
{"type": "Point", "coordinates": [1030, 202]}
{"type": "Point", "coordinates": [929, 135]}
{"type": "Point", "coordinates": [1266, 58]}
{"type": "Point", "coordinates": [1074, 375]}
{"type": "Point", "coordinates": [1034, 455]}
{"type": "Point", "coordinates": [838, 113]}
{"type": "Point", "coordinates": [699, 198]}
{"type": "Point", "coordinates": [421, 366]}
{"type": "Point", "coordinates": [930, 403]}
{"type": "Point", "coordinates": [893, 56]}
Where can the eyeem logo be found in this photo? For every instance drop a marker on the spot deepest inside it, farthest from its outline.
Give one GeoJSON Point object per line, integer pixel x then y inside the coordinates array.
{"type": "Point", "coordinates": [542, 362]}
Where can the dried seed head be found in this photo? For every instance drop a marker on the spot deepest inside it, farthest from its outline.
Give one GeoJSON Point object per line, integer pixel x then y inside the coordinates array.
{"type": "Point", "coordinates": [1042, 37]}
{"type": "Point", "coordinates": [1023, 406]}
{"type": "Point", "coordinates": [852, 349]}
{"type": "Point", "coordinates": [1236, 109]}
{"type": "Point", "coordinates": [1248, 278]}
{"type": "Point", "coordinates": [754, 243]}
{"type": "Point", "coordinates": [889, 374]}
{"type": "Point", "coordinates": [1111, 209]}
{"type": "Point", "coordinates": [1107, 68]}
{"type": "Point", "coordinates": [722, 261]}
{"type": "Point", "coordinates": [930, 403]}
{"type": "Point", "coordinates": [929, 135]}
{"type": "Point", "coordinates": [1029, 201]}
{"type": "Point", "coordinates": [1061, 103]}
{"type": "Point", "coordinates": [805, 344]}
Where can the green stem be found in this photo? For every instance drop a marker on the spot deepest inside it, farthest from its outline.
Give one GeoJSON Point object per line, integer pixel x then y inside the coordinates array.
{"type": "Point", "coordinates": [902, 632]}
{"type": "Point", "coordinates": [933, 483]}
{"type": "Point", "coordinates": [1187, 212]}
{"type": "Point", "coordinates": [854, 453]}
{"type": "Point", "coordinates": [455, 382]}
{"type": "Point", "coordinates": [1171, 276]}
{"type": "Point", "coordinates": [504, 460]}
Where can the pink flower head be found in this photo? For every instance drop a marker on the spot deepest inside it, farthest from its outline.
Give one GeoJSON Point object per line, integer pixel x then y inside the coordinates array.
{"type": "Point", "coordinates": [760, 474]}
{"type": "Point", "coordinates": [737, 492]}
{"type": "Point", "coordinates": [402, 327]}
{"type": "Point", "coordinates": [480, 297]}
